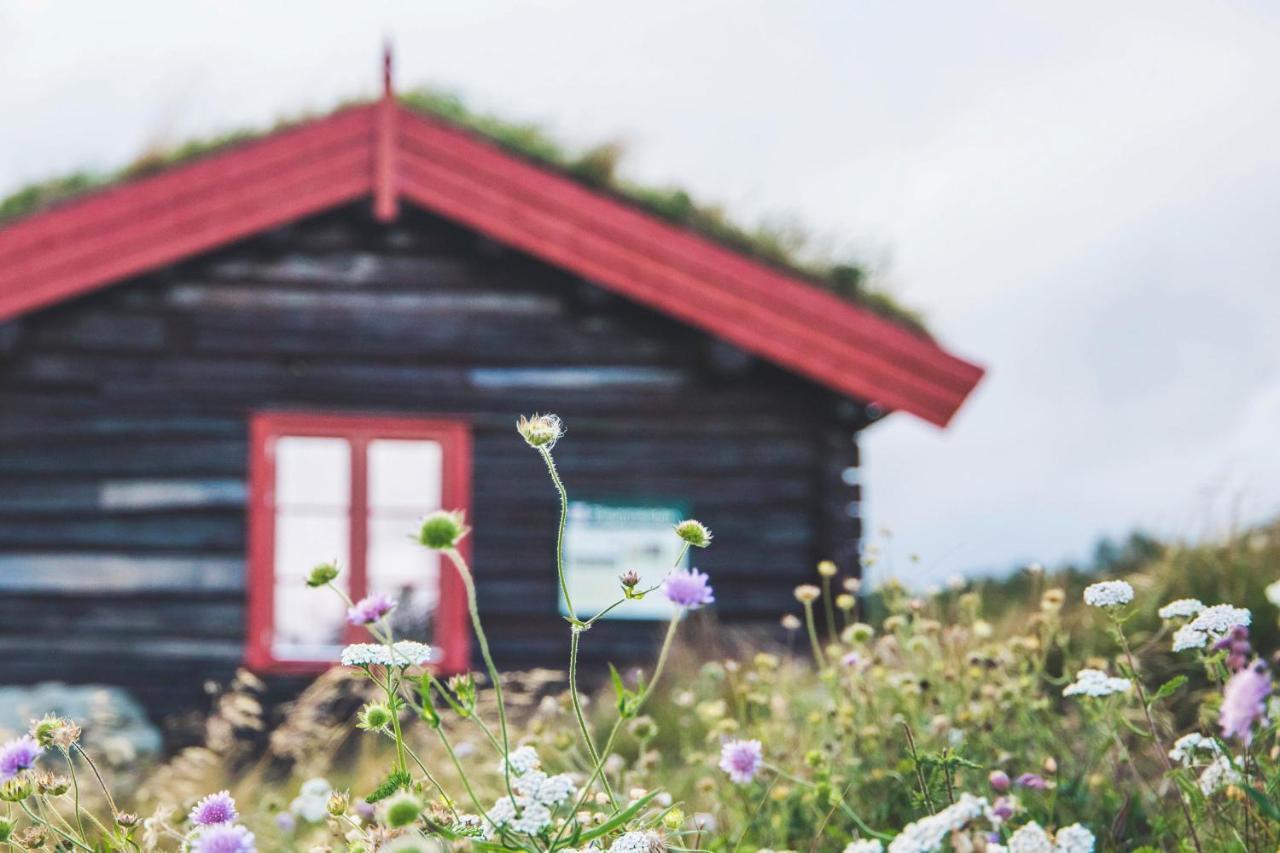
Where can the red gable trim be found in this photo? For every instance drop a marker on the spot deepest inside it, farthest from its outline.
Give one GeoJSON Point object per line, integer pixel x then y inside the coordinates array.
{"type": "Point", "coordinates": [385, 151]}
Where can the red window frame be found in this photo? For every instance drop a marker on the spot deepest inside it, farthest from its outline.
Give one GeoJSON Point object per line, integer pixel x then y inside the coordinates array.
{"type": "Point", "coordinates": [452, 635]}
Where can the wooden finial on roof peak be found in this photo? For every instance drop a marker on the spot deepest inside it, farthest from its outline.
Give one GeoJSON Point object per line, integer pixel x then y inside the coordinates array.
{"type": "Point", "coordinates": [387, 89]}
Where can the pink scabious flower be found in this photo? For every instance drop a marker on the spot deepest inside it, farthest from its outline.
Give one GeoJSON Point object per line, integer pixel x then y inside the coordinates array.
{"type": "Point", "coordinates": [1033, 781]}
{"type": "Point", "coordinates": [224, 838]}
{"type": "Point", "coordinates": [688, 588]}
{"type": "Point", "coordinates": [369, 609]}
{"type": "Point", "coordinates": [214, 809]}
{"type": "Point", "coordinates": [999, 781]}
{"type": "Point", "coordinates": [1244, 701]}
{"type": "Point", "coordinates": [17, 755]}
{"type": "Point", "coordinates": [741, 759]}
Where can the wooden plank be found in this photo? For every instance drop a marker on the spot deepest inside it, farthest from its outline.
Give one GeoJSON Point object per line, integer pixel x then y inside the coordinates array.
{"type": "Point", "coordinates": [99, 574]}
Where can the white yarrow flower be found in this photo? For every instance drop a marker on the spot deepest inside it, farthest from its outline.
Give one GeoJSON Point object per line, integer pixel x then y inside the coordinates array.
{"type": "Point", "coordinates": [522, 760]}
{"type": "Point", "coordinates": [1187, 637]}
{"type": "Point", "coordinates": [1183, 608]}
{"type": "Point", "coordinates": [1220, 773]}
{"type": "Point", "coordinates": [1030, 838]}
{"type": "Point", "coordinates": [1108, 594]}
{"type": "Point", "coordinates": [1096, 683]}
{"type": "Point", "coordinates": [404, 653]}
{"type": "Point", "coordinates": [866, 845]}
{"type": "Point", "coordinates": [1211, 623]}
{"type": "Point", "coordinates": [1185, 748]}
{"type": "Point", "coordinates": [1073, 839]}
{"type": "Point", "coordinates": [930, 832]}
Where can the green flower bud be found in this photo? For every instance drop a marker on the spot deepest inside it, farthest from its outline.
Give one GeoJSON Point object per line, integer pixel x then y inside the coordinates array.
{"type": "Point", "coordinates": [322, 574]}
{"type": "Point", "coordinates": [338, 802]}
{"type": "Point", "coordinates": [6, 829]}
{"type": "Point", "coordinates": [673, 819]}
{"type": "Point", "coordinates": [403, 810]}
{"type": "Point", "coordinates": [694, 532]}
{"type": "Point", "coordinates": [643, 728]}
{"type": "Point", "coordinates": [442, 530]}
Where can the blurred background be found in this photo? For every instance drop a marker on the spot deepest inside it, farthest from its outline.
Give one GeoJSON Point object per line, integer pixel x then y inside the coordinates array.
{"type": "Point", "coordinates": [1081, 198]}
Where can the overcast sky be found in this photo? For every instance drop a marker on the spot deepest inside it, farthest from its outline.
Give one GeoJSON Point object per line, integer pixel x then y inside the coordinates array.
{"type": "Point", "coordinates": [1085, 197]}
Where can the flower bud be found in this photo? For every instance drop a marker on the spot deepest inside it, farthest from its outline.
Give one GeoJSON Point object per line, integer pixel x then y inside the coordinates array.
{"type": "Point", "coordinates": [127, 820]}
{"type": "Point", "coordinates": [845, 601]}
{"type": "Point", "coordinates": [56, 731]}
{"type": "Point", "coordinates": [54, 786]}
{"type": "Point", "coordinates": [643, 728]}
{"type": "Point", "coordinates": [15, 790]}
{"type": "Point", "coordinates": [827, 569]}
{"type": "Point", "coordinates": [6, 829]}
{"type": "Point", "coordinates": [403, 810]}
{"type": "Point", "coordinates": [999, 781]}
{"type": "Point", "coordinates": [629, 579]}
{"type": "Point", "coordinates": [694, 532]}
{"type": "Point", "coordinates": [322, 574]}
{"type": "Point", "coordinates": [540, 431]}
{"type": "Point", "coordinates": [673, 819]}
{"type": "Point", "coordinates": [442, 530]}
{"type": "Point", "coordinates": [338, 802]}
{"type": "Point", "coordinates": [791, 622]}
{"type": "Point", "coordinates": [852, 585]}
{"type": "Point", "coordinates": [807, 593]}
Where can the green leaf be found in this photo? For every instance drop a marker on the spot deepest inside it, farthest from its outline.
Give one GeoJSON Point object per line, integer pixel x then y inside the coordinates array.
{"type": "Point", "coordinates": [1264, 803]}
{"type": "Point", "coordinates": [619, 819]}
{"type": "Point", "coordinates": [1168, 689]}
{"type": "Point", "coordinates": [389, 786]}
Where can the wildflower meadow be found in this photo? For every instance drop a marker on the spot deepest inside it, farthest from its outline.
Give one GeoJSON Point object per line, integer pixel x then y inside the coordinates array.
{"type": "Point", "coordinates": [1063, 716]}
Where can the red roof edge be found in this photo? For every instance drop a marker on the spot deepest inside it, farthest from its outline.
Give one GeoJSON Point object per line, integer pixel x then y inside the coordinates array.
{"type": "Point", "coordinates": [388, 153]}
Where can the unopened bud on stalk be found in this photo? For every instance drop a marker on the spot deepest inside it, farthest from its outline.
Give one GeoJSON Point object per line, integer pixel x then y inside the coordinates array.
{"type": "Point", "coordinates": [791, 622]}
{"type": "Point", "coordinates": [629, 579]}
{"type": "Point", "coordinates": [374, 717]}
{"type": "Point", "coordinates": [338, 802]}
{"type": "Point", "coordinates": [443, 529]}
{"type": "Point", "coordinates": [694, 532]}
{"type": "Point", "coordinates": [845, 601]}
{"type": "Point", "coordinates": [15, 790]}
{"type": "Point", "coordinates": [540, 431]}
{"type": "Point", "coordinates": [403, 810]}
{"type": "Point", "coordinates": [127, 820]}
{"type": "Point", "coordinates": [852, 585]}
{"type": "Point", "coordinates": [322, 574]}
{"type": "Point", "coordinates": [827, 569]}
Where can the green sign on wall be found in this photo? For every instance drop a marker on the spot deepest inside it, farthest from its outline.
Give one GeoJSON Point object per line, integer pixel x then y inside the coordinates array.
{"type": "Point", "coordinates": [604, 539]}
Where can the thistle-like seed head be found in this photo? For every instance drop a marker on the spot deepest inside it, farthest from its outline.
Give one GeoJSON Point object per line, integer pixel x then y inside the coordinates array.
{"type": "Point", "coordinates": [15, 790]}
{"type": "Point", "coordinates": [374, 717]}
{"type": "Point", "coordinates": [443, 529]}
{"type": "Point", "coordinates": [694, 532]}
{"type": "Point", "coordinates": [338, 802]}
{"type": "Point", "coordinates": [540, 431]}
{"type": "Point", "coordinates": [807, 593]}
{"type": "Point", "coordinates": [52, 730]}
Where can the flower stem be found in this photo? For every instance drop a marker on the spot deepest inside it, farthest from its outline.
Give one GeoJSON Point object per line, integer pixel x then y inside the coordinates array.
{"type": "Point", "coordinates": [483, 641]}
{"type": "Point", "coordinates": [574, 641]}
{"type": "Point", "coordinates": [564, 512]}
{"type": "Point", "coordinates": [818, 656]}
{"type": "Point", "coordinates": [1155, 733]}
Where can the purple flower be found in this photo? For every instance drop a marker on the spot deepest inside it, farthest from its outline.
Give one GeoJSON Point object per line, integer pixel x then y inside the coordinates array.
{"type": "Point", "coordinates": [741, 759]}
{"type": "Point", "coordinates": [999, 781]}
{"type": "Point", "coordinates": [1002, 808]}
{"type": "Point", "coordinates": [1244, 701]}
{"type": "Point", "coordinates": [852, 659]}
{"type": "Point", "coordinates": [224, 838]}
{"type": "Point", "coordinates": [286, 822]}
{"type": "Point", "coordinates": [1032, 781]}
{"type": "Point", "coordinates": [215, 808]}
{"type": "Point", "coordinates": [369, 609]}
{"type": "Point", "coordinates": [18, 755]}
{"type": "Point", "coordinates": [688, 588]}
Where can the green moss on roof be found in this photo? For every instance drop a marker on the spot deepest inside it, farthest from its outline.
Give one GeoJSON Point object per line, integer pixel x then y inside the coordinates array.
{"type": "Point", "coordinates": [785, 246]}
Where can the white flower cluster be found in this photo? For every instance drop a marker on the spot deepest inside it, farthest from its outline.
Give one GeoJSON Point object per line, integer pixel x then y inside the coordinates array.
{"type": "Point", "coordinates": [928, 833]}
{"type": "Point", "coordinates": [865, 845]}
{"type": "Point", "coordinates": [1183, 608]}
{"type": "Point", "coordinates": [1273, 593]}
{"type": "Point", "coordinates": [1220, 773]}
{"type": "Point", "coordinates": [1032, 838]}
{"type": "Point", "coordinates": [637, 842]}
{"type": "Point", "coordinates": [1108, 594]}
{"type": "Point", "coordinates": [1095, 682]}
{"type": "Point", "coordinates": [312, 802]}
{"type": "Point", "coordinates": [403, 653]}
{"type": "Point", "coordinates": [1185, 748]}
{"type": "Point", "coordinates": [537, 795]}
{"type": "Point", "coordinates": [1211, 623]}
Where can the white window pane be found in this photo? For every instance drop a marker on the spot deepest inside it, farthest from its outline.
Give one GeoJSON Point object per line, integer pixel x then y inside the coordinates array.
{"type": "Point", "coordinates": [313, 471]}
{"type": "Point", "coordinates": [308, 622]}
{"type": "Point", "coordinates": [406, 571]}
{"type": "Point", "coordinates": [405, 475]}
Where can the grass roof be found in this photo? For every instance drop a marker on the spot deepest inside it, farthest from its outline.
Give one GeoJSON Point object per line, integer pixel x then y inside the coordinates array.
{"type": "Point", "coordinates": [786, 246]}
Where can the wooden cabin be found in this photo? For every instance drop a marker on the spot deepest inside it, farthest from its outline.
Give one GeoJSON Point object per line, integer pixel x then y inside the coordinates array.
{"type": "Point", "coordinates": [215, 376]}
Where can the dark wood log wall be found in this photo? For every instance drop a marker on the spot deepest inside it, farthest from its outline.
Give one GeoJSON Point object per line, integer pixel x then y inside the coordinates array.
{"type": "Point", "coordinates": [123, 440]}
